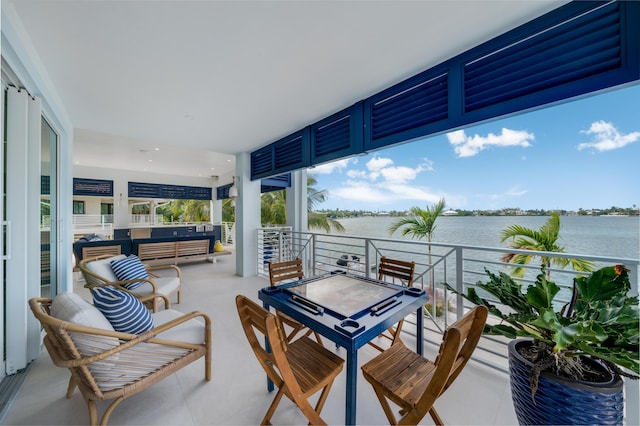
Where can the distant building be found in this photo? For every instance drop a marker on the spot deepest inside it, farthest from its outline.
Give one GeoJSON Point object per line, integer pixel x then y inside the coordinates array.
{"type": "Point", "coordinates": [450, 212]}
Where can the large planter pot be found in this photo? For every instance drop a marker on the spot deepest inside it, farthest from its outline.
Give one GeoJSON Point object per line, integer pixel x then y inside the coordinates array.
{"type": "Point", "coordinates": [560, 400]}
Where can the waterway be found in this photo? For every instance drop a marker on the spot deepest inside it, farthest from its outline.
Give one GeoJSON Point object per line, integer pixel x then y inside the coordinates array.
{"type": "Point", "coordinates": [611, 236]}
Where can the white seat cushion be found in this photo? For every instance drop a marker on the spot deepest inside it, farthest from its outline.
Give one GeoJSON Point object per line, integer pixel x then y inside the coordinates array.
{"type": "Point", "coordinates": [102, 267]}
{"type": "Point", "coordinates": [166, 285]}
{"type": "Point", "coordinates": [191, 331]}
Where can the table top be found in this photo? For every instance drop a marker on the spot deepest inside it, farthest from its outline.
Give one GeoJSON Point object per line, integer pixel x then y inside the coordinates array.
{"type": "Point", "coordinates": [348, 309]}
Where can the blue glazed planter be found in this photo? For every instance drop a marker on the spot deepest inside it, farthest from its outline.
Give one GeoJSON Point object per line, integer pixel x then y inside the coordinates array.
{"type": "Point", "coordinates": [561, 401]}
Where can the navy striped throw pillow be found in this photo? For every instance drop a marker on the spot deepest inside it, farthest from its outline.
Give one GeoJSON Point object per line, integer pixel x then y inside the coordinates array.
{"type": "Point", "coordinates": [129, 268]}
{"type": "Point", "coordinates": [125, 313]}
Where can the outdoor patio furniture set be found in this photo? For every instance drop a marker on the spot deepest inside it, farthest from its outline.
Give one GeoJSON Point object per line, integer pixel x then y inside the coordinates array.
{"type": "Point", "coordinates": [123, 342]}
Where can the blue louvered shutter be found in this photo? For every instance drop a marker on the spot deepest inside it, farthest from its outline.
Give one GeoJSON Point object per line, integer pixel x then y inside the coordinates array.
{"type": "Point", "coordinates": [406, 110]}
{"type": "Point", "coordinates": [579, 53]}
{"type": "Point", "coordinates": [338, 135]}
{"type": "Point", "coordinates": [262, 162]}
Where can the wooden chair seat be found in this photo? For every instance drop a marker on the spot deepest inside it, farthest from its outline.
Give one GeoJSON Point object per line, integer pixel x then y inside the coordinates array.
{"type": "Point", "coordinates": [414, 383]}
{"type": "Point", "coordinates": [391, 270]}
{"type": "Point", "coordinates": [298, 369]}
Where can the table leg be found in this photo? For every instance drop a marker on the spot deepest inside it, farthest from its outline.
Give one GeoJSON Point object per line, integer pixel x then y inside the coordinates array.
{"type": "Point", "coordinates": [352, 381]}
{"type": "Point", "coordinates": [270, 386]}
{"type": "Point", "coordinates": [420, 330]}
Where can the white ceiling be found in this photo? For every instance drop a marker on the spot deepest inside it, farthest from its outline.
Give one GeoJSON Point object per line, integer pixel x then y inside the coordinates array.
{"type": "Point", "coordinates": [198, 79]}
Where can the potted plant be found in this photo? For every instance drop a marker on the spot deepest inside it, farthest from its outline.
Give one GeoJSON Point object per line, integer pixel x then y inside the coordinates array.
{"type": "Point", "coordinates": [571, 350]}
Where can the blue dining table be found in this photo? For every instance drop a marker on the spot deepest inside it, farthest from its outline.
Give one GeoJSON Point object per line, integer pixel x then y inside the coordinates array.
{"type": "Point", "coordinates": [349, 310]}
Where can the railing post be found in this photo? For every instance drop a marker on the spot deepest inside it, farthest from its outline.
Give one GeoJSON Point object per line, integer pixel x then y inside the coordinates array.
{"type": "Point", "coordinates": [367, 257]}
{"type": "Point", "coordinates": [313, 253]}
{"type": "Point", "coordinates": [459, 282]}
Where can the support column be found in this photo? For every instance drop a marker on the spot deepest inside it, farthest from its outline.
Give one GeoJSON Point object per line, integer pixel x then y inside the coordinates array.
{"type": "Point", "coordinates": [247, 217]}
{"type": "Point", "coordinates": [296, 209]}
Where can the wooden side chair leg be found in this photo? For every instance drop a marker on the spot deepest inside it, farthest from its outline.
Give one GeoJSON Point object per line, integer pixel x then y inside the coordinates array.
{"type": "Point", "coordinates": [436, 418]}
{"type": "Point", "coordinates": [318, 338]}
{"type": "Point", "coordinates": [309, 412]}
{"type": "Point", "coordinates": [323, 398]}
{"type": "Point", "coordinates": [274, 404]}
{"type": "Point", "coordinates": [396, 333]}
{"type": "Point", "coordinates": [385, 405]}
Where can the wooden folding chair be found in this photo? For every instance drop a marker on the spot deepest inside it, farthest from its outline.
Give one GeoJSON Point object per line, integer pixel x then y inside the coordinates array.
{"type": "Point", "coordinates": [298, 369]}
{"type": "Point", "coordinates": [286, 271]}
{"type": "Point", "coordinates": [390, 270]}
{"type": "Point", "coordinates": [415, 383]}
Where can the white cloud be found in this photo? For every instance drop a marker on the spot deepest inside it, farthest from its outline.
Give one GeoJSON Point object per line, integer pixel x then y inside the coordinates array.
{"type": "Point", "coordinates": [383, 183]}
{"type": "Point", "coordinates": [468, 146]}
{"type": "Point", "coordinates": [354, 174]}
{"type": "Point", "coordinates": [378, 163]}
{"type": "Point", "coordinates": [607, 137]}
{"type": "Point", "coordinates": [400, 174]}
{"type": "Point", "coordinates": [333, 167]}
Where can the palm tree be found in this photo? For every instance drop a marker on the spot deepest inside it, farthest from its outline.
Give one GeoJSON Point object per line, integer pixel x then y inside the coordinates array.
{"type": "Point", "coordinates": [273, 208]}
{"type": "Point", "coordinates": [544, 239]}
{"type": "Point", "coordinates": [421, 223]}
{"type": "Point", "coordinates": [228, 210]}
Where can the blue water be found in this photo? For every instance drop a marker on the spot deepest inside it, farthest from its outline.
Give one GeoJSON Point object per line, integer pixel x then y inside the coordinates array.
{"type": "Point", "coordinates": [599, 236]}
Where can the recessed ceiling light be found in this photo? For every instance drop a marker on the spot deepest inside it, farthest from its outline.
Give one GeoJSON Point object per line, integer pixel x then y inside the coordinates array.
{"type": "Point", "coordinates": [151, 161]}
{"type": "Point", "coordinates": [156, 149]}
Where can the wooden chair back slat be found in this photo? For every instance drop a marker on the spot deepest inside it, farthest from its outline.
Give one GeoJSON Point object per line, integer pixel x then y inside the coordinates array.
{"type": "Point", "coordinates": [285, 271]}
{"type": "Point", "coordinates": [290, 270]}
{"type": "Point", "coordinates": [389, 270]}
{"type": "Point", "coordinates": [394, 268]}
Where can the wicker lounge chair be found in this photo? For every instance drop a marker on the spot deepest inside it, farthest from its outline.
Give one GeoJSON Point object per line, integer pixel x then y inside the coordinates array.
{"type": "Point", "coordinates": [109, 365]}
{"type": "Point", "coordinates": [97, 271]}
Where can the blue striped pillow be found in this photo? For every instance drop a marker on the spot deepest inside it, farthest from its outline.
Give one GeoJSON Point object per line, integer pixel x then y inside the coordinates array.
{"type": "Point", "coordinates": [124, 311]}
{"type": "Point", "coordinates": [129, 268]}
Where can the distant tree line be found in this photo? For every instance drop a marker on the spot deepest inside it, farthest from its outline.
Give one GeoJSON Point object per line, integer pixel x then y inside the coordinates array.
{"type": "Point", "coordinates": [510, 211]}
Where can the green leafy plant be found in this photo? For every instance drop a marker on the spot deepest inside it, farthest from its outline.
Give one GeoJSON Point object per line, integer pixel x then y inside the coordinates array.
{"type": "Point", "coordinates": [600, 321]}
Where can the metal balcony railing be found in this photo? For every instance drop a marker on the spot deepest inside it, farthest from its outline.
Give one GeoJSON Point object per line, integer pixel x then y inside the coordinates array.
{"type": "Point", "coordinates": [459, 266]}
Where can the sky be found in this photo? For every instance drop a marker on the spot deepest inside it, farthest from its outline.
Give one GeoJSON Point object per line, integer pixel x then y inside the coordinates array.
{"type": "Point", "coordinates": [579, 154]}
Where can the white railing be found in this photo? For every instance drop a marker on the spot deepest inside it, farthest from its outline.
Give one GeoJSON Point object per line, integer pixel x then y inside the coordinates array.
{"type": "Point", "coordinates": [228, 233]}
{"type": "Point", "coordinates": [84, 224]}
{"type": "Point", "coordinates": [274, 245]}
{"type": "Point", "coordinates": [145, 220]}
{"type": "Point", "coordinates": [459, 266]}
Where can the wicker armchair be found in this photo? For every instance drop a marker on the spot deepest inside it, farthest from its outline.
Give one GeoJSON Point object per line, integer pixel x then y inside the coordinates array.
{"type": "Point", "coordinates": [109, 365]}
{"type": "Point", "coordinates": [97, 271]}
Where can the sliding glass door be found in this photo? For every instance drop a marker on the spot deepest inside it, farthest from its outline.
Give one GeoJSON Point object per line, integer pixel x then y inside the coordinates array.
{"type": "Point", "coordinates": [48, 210]}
